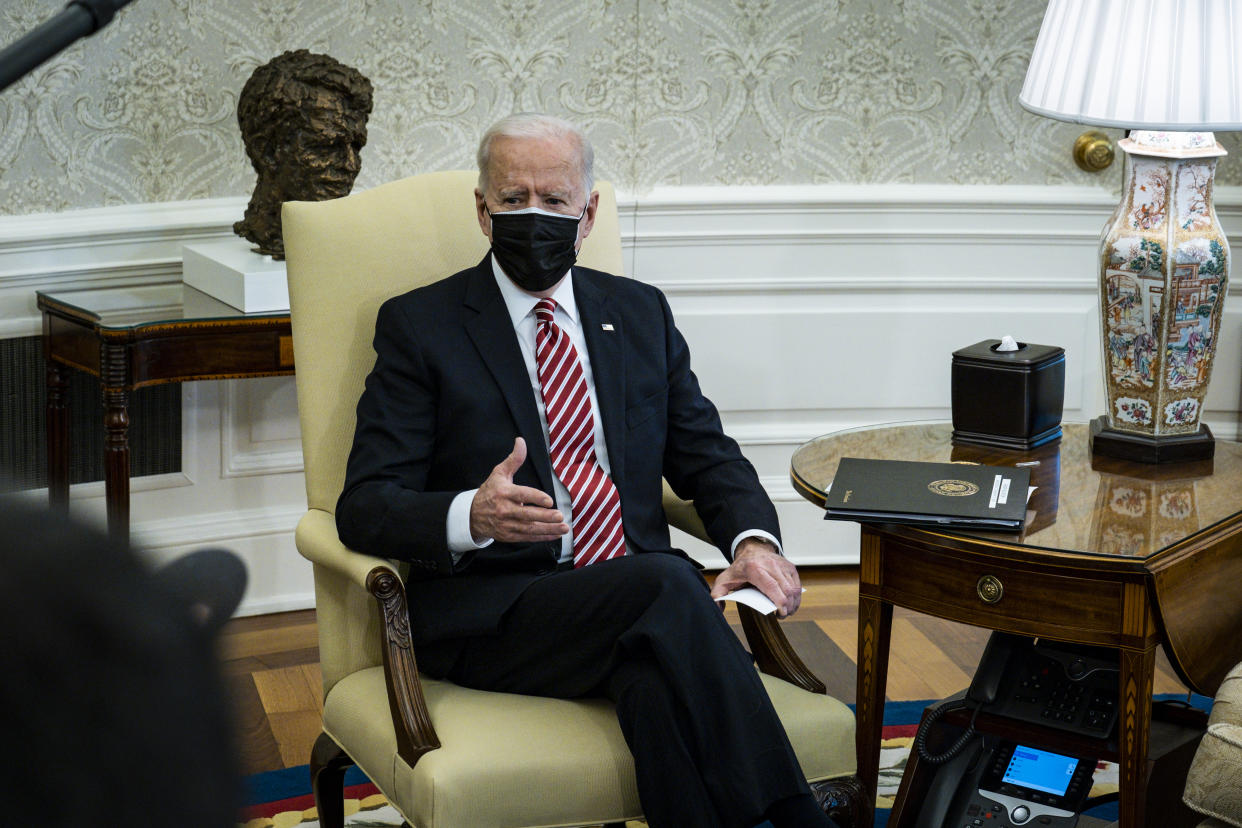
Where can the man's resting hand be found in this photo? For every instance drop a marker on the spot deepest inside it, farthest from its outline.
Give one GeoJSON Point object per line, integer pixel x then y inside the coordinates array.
{"type": "Point", "coordinates": [756, 563]}
{"type": "Point", "coordinates": [510, 513]}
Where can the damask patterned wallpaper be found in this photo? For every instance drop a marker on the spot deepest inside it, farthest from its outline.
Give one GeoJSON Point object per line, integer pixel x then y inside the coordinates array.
{"type": "Point", "coordinates": [680, 92]}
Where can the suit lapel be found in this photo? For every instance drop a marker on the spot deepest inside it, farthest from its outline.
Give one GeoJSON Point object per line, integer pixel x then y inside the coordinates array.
{"type": "Point", "coordinates": [601, 328]}
{"type": "Point", "coordinates": [491, 330]}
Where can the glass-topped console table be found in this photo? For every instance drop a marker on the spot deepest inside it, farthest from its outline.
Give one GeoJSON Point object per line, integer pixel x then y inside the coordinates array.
{"type": "Point", "coordinates": [133, 337]}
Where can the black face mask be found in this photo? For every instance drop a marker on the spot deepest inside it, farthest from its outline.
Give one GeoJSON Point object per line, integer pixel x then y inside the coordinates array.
{"type": "Point", "coordinates": [534, 247]}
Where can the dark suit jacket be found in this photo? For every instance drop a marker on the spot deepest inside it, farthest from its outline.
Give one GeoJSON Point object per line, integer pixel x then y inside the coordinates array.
{"type": "Point", "coordinates": [450, 392]}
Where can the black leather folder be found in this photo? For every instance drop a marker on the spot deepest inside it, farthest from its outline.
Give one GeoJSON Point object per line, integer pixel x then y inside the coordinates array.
{"type": "Point", "coordinates": [960, 495]}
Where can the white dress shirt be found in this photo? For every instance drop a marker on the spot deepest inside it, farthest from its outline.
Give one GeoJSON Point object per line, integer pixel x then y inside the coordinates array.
{"type": "Point", "coordinates": [521, 307]}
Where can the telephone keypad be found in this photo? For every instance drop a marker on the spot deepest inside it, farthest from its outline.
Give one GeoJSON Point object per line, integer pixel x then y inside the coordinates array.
{"type": "Point", "coordinates": [1043, 694]}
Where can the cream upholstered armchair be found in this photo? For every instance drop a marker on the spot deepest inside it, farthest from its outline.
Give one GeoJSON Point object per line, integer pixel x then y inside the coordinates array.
{"type": "Point", "coordinates": [1214, 783]}
{"type": "Point", "coordinates": [443, 755]}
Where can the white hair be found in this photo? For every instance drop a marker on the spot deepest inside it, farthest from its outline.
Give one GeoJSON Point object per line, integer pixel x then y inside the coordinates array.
{"type": "Point", "coordinates": [535, 125]}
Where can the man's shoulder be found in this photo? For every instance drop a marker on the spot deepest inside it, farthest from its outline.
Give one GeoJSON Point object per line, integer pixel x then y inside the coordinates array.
{"type": "Point", "coordinates": [434, 297]}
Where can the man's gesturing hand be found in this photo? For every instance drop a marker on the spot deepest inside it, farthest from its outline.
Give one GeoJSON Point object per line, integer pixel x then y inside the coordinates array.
{"type": "Point", "coordinates": [507, 512]}
{"type": "Point", "coordinates": [756, 563]}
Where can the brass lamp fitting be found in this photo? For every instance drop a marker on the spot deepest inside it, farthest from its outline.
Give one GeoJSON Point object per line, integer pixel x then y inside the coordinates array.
{"type": "Point", "coordinates": [1093, 151]}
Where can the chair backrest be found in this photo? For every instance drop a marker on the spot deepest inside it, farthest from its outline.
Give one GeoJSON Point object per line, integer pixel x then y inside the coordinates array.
{"type": "Point", "coordinates": [345, 257]}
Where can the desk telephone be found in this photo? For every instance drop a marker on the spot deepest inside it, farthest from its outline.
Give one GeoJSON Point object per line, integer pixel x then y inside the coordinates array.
{"type": "Point", "coordinates": [1048, 683]}
{"type": "Point", "coordinates": [987, 781]}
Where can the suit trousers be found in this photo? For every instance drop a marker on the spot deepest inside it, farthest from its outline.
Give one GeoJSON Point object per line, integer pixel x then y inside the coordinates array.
{"type": "Point", "coordinates": [642, 630]}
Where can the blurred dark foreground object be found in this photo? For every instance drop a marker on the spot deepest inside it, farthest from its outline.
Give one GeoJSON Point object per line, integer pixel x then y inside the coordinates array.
{"type": "Point", "coordinates": [111, 706]}
{"type": "Point", "coordinates": [208, 584]}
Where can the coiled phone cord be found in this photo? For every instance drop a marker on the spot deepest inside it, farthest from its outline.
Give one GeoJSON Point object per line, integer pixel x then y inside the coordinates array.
{"type": "Point", "coordinates": [920, 738]}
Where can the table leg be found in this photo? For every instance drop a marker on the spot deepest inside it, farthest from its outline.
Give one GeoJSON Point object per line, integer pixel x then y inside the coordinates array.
{"type": "Point", "coordinates": [56, 435]}
{"type": "Point", "coordinates": [875, 621]}
{"type": "Point", "coordinates": [1134, 718]}
{"type": "Point", "coordinates": [116, 440]}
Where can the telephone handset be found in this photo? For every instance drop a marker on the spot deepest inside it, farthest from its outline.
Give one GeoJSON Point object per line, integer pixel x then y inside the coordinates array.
{"type": "Point", "coordinates": [997, 655]}
{"type": "Point", "coordinates": [1048, 683]}
{"type": "Point", "coordinates": [944, 796]}
{"type": "Point", "coordinates": [1066, 686]}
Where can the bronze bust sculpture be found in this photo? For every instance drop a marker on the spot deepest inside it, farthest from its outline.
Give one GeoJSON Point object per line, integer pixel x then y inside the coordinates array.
{"type": "Point", "coordinates": [303, 119]}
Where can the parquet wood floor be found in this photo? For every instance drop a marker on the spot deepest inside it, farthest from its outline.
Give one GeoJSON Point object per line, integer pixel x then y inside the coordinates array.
{"type": "Point", "coordinates": [271, 664]}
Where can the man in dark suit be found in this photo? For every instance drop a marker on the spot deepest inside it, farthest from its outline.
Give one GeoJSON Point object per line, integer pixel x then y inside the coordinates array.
{"type": "Point", "coordinates": [510, 444]}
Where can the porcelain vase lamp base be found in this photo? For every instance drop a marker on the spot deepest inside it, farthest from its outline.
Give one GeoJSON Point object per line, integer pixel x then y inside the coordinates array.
{"type": "Point", "coordinates": [1164, 268]}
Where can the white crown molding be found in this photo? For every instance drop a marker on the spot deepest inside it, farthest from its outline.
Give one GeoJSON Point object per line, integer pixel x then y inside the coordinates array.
{"type": "Point", "coordinates": [132, 273]}
{"type": "Point", "coordinates": [122, 246]}
{"type": "Point", "coordinates": [173, 221]}
{"type": "Point", "coordinates": [824, 233]}
{"type": "Point", "coordinates": [124, 243]}
{"type": "Point", "coordinates": [885, 198]}
{"type": "Point", "coordinates": [849, 281]}
{"type": "Point", "coordinates": [140, 244]}
{"type": "Point", "coordinates": [120, 223]}
{"type": "Point", "coordinates": [865, 196]}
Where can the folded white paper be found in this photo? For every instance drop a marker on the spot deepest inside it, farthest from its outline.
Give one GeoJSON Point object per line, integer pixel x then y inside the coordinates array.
{"type": "Point", "coordinates": [752, 598]}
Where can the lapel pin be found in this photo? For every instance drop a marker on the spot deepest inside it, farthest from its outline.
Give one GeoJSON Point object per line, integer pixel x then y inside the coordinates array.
{"type": "Point", "coordinates": [607, 326]}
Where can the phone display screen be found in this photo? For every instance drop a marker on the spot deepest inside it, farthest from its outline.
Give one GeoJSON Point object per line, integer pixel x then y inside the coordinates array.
{"type": "Point", "coordinates": [1040, 770]}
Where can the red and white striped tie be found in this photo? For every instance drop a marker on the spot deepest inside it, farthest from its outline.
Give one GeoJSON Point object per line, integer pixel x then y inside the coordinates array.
{"type": "Point", "coordinates": [596, 509]}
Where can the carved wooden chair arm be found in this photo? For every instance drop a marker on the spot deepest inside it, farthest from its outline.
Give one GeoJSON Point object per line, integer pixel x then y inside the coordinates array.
{"type": "Point", "coordinates": [318, 542]}
{"type": "Point", "coordinates": [771, 649]}
{"type": "Point", "coordinates": [773, 652]}
{"type": "Point", "coordinates": [410, 719]}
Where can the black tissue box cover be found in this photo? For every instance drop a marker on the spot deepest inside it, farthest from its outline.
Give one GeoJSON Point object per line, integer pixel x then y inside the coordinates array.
{"type": "Point", "coordinates": [1008, 399]}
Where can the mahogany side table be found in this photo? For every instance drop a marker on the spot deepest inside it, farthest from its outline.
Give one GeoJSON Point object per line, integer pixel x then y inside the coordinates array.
{"type": "Point", "coordinates": [1114, 554]}
{"type": "Point", "coordinates": [139, 336]}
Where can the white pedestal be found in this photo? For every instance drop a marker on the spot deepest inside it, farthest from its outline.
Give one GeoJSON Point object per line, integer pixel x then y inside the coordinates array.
{"type": "Point", "coordinates": [233, 273]}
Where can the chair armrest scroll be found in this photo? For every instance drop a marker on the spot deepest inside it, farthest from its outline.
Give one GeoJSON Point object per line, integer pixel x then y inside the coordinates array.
{"type": "Point", "coordinates": [773, 652]}
{"type": "Point", "coordinates": [318, 542]}
{"type": "Point", "coordinates": [415, 733]}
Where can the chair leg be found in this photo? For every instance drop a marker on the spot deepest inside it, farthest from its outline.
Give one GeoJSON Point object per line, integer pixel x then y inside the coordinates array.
{"type": "Point", "coordinates": [328, 764]}
{"type": "Point", "coordinates": [843, 800]}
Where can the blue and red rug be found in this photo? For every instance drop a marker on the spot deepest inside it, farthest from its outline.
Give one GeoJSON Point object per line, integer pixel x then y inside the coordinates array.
{"type": "Point", "coordinates": [282, 798]}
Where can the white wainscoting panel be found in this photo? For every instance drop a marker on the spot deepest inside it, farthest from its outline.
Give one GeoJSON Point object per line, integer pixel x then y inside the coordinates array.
{"type": "Point", "coordinates": [807, 309]}
{"type": "Point", "coordinates": [260, 432]}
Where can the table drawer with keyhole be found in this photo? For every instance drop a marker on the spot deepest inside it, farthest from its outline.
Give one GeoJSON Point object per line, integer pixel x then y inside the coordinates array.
{"type": "Point", "coordinates": [993, 592]}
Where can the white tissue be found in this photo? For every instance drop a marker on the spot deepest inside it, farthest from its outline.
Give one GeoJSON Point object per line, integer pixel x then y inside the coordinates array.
{"type": "Point", "coordinates": [1007, 343]}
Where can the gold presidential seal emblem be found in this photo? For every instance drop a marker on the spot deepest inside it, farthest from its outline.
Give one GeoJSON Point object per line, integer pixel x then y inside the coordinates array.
{"type": "Point", "coordinates": [952, 488]}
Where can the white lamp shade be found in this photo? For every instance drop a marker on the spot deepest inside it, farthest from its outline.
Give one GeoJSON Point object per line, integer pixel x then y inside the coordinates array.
{"type": "Point", "coordinates": [1139, 64]}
